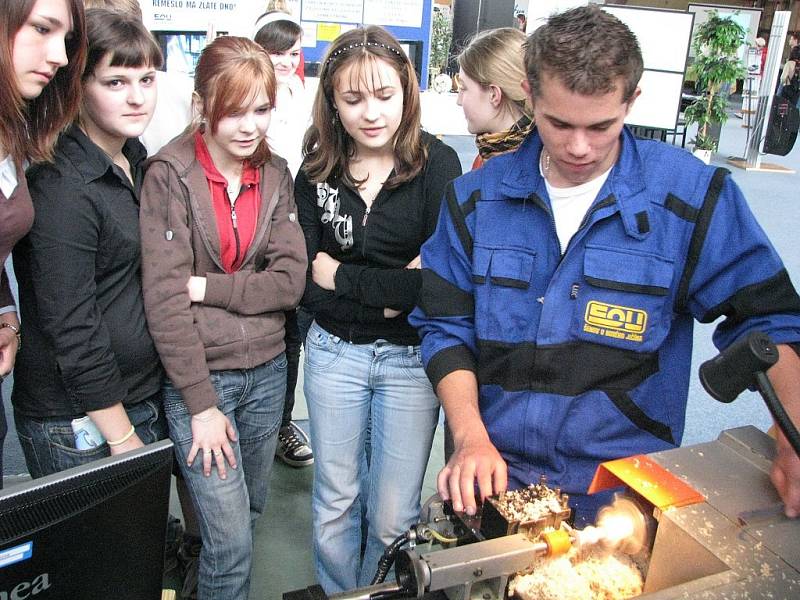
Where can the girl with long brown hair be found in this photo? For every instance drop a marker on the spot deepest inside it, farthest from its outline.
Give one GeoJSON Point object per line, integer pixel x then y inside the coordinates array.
{"type": "Point", "coordinates": [368, 194]}
{"type": "Point", "coordinates": [42, 53]}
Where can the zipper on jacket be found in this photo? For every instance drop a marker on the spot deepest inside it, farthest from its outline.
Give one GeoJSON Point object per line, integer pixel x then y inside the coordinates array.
{"type": "Point", "coordinates": [554, 231]}
{"type": "Point", "coordinates": [364, 233]}
{"type": "Point", "coordinates": [245, 345]}
{"type": "Point", "coordinates": [235, 227]}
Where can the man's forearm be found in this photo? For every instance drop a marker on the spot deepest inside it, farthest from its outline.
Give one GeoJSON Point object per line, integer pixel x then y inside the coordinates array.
{"type": "Point", "coordinates": [458, 393]}
{"type": "Point", "coordinates": [475, 462]}
{"type": "Point", "coordinates": [785, 378]}
{"type": "Point", "coordinates": [785, 475]}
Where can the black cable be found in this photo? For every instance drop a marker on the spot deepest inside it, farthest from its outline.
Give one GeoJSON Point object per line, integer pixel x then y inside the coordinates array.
{"type": "Point", "coordinates": [387, 559]}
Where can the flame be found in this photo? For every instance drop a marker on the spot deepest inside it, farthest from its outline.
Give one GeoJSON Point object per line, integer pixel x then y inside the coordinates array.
{"type": "Point", "coordinates": [617, 527]}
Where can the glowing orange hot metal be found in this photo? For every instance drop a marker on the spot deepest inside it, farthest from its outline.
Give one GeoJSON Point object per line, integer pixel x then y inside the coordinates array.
{"type": "Point", "coordinates": [649, 479]}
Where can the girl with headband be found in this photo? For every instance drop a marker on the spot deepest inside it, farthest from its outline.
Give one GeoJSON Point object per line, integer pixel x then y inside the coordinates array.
{"type": "Point", "coordinates": [368, 195]}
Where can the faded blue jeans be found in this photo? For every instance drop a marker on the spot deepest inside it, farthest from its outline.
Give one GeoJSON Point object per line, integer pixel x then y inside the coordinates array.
{"type": "Point", "coordinates": [49, 444]}
{"type": "Point", "coordinates": [349, 387]}
{"type": "Point", "coordinates": [227, 509]}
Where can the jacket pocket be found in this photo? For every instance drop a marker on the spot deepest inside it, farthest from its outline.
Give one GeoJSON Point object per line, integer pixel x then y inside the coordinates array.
{"type": "Point", "coordinates": [504, 294]}
{"type": "Point", "coordinates": [623, 300]}
{"type": "Point", "coordinates": [216, 326]}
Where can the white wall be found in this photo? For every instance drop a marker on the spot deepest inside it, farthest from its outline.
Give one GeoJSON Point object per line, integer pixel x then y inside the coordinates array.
{"type": "Point", "coordinates": [538, 10]}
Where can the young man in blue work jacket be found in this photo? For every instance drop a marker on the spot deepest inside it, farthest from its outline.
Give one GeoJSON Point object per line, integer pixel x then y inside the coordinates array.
{"type": "Point", "coordinates": [563, 279]}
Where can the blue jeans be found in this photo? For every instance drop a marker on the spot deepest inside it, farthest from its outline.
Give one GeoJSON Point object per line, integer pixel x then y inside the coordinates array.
{"type": "Point", "coordinates": [49, 444]}
{"type": "Point", "coordinates": [228, 508]}
{"type": "Point", "coordinates": [348, 387]}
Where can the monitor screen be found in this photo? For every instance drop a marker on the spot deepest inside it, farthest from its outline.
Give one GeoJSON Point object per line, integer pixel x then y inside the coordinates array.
{"type": "Point", "coordinates": [93, 532]}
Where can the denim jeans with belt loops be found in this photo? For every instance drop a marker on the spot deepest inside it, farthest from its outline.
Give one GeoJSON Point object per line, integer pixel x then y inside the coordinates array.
{"type": "Point", "coordinates": [349, 387]}
{"type": "Point", "coordinates": [227, 509]}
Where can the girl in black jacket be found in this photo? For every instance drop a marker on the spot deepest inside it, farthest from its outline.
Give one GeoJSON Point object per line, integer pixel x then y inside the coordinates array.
{"type": "Point", "coordinates": [87, 350]}
{"type": "Point", "coordinates": [368, 196]}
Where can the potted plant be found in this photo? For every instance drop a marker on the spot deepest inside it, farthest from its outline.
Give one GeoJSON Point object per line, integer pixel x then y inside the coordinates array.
{"type": "Point", "coordinates": [441, 37]}
{"type": "Point", "coordinates": [715, 44]}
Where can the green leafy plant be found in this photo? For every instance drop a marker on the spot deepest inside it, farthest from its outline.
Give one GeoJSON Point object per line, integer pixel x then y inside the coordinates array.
{"type": "Point", "coordinates": [715, 45]}
{"type": "Point", "coordinates": [441, 37]}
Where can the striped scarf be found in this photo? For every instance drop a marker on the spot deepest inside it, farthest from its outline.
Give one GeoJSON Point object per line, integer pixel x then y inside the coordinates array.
{"type": "Point", "coordinates": [492, 144]}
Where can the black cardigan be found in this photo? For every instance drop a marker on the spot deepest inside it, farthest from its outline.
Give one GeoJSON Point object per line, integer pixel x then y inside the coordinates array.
{"type": "Point", "coordinates": [373, 248]}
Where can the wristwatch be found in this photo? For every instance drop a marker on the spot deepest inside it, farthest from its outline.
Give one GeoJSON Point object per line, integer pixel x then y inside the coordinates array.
{"type": "Point", "coordinates": [15, 329]}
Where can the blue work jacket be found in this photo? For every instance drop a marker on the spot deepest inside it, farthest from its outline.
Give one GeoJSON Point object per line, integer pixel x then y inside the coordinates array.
{"type": "Point", "coordinates": [585, 357]}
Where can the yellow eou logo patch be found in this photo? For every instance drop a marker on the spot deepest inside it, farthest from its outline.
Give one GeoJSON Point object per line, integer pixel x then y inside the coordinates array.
{"type": "Point", "coordinates": [611, 320]}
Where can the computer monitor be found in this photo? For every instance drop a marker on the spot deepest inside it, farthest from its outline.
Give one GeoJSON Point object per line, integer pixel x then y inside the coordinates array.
{"type": "Point", "coordinates": [94, 532]}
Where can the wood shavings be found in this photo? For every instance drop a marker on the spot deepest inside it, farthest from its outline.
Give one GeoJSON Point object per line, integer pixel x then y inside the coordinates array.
{"type": "Point", "coordinates": [529, 504]}
{"type": "Point", "coordinates": [591, 576]}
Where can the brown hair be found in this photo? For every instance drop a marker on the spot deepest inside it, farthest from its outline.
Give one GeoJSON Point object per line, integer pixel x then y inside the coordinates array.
{"type": "Point", "coordinates": [494, 57]}
{"type": "Point", "coordinates": [130, 7]}
{"type": "Point", "coordinates": [30, 128]}
{"type": "Point", "coordinates": [122, 36]}
{"type": "Point", "coordinates": [278, 36]}
{"type": "Point", "coordinates": [231, 70]}
{"type": "Point", "coordinates": [587, 49]}
{"type": "Point", "coordinates": [327, 145]}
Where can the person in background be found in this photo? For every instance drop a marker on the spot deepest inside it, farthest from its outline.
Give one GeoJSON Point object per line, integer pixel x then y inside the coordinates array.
{"type": "Point", "coordinates": [223, 258]}
{"type": "Point", "coordinates": [43, 49]}
{"type": "Point", "coordinates": [789, 87]}
{"type": "Point", "coordinates": [761, 44]}
{"type": "Point", "coordinates": [131, 7]}
{"type": "Point", "coordinates": [284, 13]}
{"type": "Point", "coordinates": [368, 195]}
{"type": "Point", "coordinates": [281, 38]}
{"type": "Point", "coordinates": [88, 351]}
{"type": "Point", "coordinates": [490, 91]}
{"type": "Point", "coordinates": [522, 22]}
{"type": "Point", "coordinates": [538, 249]}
